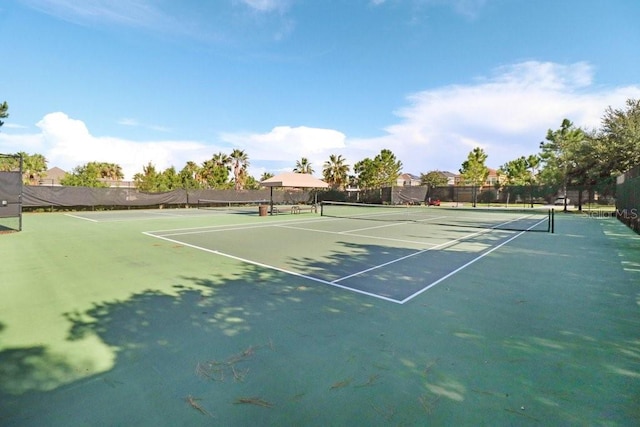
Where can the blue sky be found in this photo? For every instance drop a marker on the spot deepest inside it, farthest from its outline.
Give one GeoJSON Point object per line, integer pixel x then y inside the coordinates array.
{"type": "Point", "coordinates": [134, 81]}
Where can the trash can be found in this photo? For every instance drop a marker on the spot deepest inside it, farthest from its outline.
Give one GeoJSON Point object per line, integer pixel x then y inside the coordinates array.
{"type": "Point", "coordinates": [262, 210]}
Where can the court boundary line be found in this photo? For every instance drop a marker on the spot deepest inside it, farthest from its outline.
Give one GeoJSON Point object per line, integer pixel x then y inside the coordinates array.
{"type": "Point", "coordinates": [272, 267]}
{"type": "Point", "coordinates": [467, 264]}
{"type": "Point", "coordinates": [81, 217]}
{"type": "Point", "coordinates": [335, 283]}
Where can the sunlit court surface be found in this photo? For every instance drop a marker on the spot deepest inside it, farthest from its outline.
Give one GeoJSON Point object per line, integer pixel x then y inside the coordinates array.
{"type": "Point", "coordinates": [403, 316]}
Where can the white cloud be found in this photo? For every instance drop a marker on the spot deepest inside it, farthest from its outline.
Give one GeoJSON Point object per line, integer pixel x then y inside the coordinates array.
{"type": "Point", "coordinates": [267, 5]}
{"type": "Point", "coordinates": [507, 113]}
{"type": "Point", "coordinates": [289, 144]}
{"type": "Point", "coordinates": [67, 143]}
{"type": "Point", "coordinates": [133, 13]}
{"type": "Point", "coordinates": [128, 122]}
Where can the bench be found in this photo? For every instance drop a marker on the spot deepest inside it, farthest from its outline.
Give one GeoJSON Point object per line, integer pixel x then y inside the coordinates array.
{"type": "Point", "coordinates": [296, 209]}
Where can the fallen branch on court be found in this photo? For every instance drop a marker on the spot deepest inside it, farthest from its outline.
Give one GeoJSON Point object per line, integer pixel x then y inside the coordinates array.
{"type": "Point", "coordinates": [253, 401]}
{"type": "Point", "coordinates": [193, 402]}
{"type": "Point", "coordinates": [215, 370]}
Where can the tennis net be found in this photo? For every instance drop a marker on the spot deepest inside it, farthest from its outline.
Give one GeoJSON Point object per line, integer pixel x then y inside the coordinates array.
{"type": "Point", "coordinates": [527, 219]}
{"type": "Point", "coordinates": [232, 206]}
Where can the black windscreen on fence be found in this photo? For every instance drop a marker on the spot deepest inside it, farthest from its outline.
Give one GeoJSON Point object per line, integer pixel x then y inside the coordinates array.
{"type": "Point", "coordinates": [11, 194]}
{"type": "Point", "coordinates": [628, 198]}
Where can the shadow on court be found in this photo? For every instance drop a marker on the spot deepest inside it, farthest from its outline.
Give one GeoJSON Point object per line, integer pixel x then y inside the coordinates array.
{"type": "Point", "coordinates": [540, 332]}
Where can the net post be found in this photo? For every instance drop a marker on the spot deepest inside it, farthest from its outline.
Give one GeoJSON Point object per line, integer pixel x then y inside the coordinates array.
{"type": "Point", "coordinates": [552, 222]}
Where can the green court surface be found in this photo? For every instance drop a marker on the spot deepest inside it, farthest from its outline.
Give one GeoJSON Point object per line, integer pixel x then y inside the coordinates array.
{"type": "Point", "coordinates": [193, 317]}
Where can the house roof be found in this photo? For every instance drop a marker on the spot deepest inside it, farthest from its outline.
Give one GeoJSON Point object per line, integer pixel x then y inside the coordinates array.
{"type": "Point", "coordinates": [292, 179]}
{"type": "Point", "coordinates": [55, 173]}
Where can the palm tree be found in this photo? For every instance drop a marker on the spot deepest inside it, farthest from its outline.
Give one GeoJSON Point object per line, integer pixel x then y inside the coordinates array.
{"type": "Point", "coordinates": [336, 172]}
{"type": "Point", "coordinates": [190, 175]}
{"type": "Point", "coordinates": [34, 167]}
{"type": "Point", "coordinates": [303, 166]}
{"type": "Point", "coordinates": [533, 163]}
{"type": "Point", "coordinates": [221, 159]}
{"type": "Point", "coordinates": [110, 171]}
{"type": "Point", "coordinates": [239, 162]}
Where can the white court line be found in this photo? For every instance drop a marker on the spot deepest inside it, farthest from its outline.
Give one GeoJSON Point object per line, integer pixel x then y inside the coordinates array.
{"type": "Point", "coordinates": [440, 246]}
{"type": "Point", "coordinates": [393, 224]}
{"type": "Point", "coordinates": [350, 233]}
{"type": "Point", "coordinates": [479, 257]}
{"type": "Point", "coordinates": [237, 226]}
{"type": "Point", "coordinates": [335, 282]}
{"type": "Point", "coordinates": [272, 267]}
{"type": "Point", "coordinates": [81, 217]}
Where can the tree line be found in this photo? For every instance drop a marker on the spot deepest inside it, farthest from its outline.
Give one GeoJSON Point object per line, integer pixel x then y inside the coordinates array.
{"type": "Point", "coordinates": [569, 156]}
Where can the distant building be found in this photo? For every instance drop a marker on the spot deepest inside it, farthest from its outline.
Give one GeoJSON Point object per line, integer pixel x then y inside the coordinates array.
{"type": "Point", "coordinates": [407, 180]}
{"type": "Point", "coordinates": [52, 177]}
{"type": "Point", "coordinates": [492, 178]}
{"type": "Point", "coordinates": [452, 178]}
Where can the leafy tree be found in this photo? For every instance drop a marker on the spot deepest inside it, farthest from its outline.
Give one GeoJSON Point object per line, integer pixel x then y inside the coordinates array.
{"type": "Point", "coordinates": [336, 172]}
{"type": "Point", "coordinates": [4, 107]}
{"type": "Point", "coordinates": [380, 172]}
{"type": "Point", "coordinates": [303, 166]}
{"type": "Point", "coordinates": [169, 180]}
{"type": "Point", "coordinates": [189, 176]}
{"type": "Point", "coordinates": [433, 179]}
{"type": "Point", "coordinates": [533, 163]}
{"type": "Point", "coordinates": [266, 175]}
{"type": "Point", "coordinates": [9, 163]}
{"type": "Point", "coordinates": [620, 139]}
{"type": "Point", "coordinates": [239, 163]}
{"type": "Point", "coordinates": [516, 173]}
{"type": "Point", "coordinates": [474, 172]}
{"type": "Point", "coordinates": [111, 171]}
{"type": "Point", "coordinates": [215, 171]}
{"type": "Point", "coordinates": [87, 175]}
{"type": "Point", "coordinates": [34, 168]}
{"type": "Point", "coordinates": [251, 183]}
{"type": "Point", "coordinates": [565, 156]}
{"type": "Point", "coordinates": [149, 180]}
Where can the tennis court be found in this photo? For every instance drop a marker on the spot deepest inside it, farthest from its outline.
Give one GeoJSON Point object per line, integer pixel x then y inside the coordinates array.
{"type": "Point", "coordinates": [406, 317]}
{"type": "Point", "coordinates": [392, 253]}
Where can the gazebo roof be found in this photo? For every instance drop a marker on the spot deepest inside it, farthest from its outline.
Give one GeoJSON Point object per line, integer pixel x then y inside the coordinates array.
{"type": "Point", "coordinates": [292, 179]}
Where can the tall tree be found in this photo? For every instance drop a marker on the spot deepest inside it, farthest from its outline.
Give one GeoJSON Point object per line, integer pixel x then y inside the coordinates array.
{"type": "Point", "coordinates": [239, 164]}
{"type": "Point", "coordinates": [620, 138]}
{"type": "Point", "coordinates": [4, 107]}
{"type": "Point", "coordinates": [516, 173]}
{"type": "Point", "coordinates": [564, 156]}
{"type": "Point", "coordinates": [215, 171]}
{"type": "Point", "coordinates": [474, 172]}
{"type": "Point", "coordinates": [87, 175]}
{"type": "Point", "coordinates": [189, 175]}
{"type": "Point", "coordinates": [303, 166]}
{"type": "Point", "coordinates": [336, 172]}
{"type": "Point", "coordinates": [433, 179]}
{"type": "Point", "coordinates": [382, 171]}
{"type": "Point", "coordinates": [110, 171]}
{"type": "Point", "coordinates": [266, 175]}
{"type": "Point", "coordinates": [148, 180]}
{"type": "Point", "coordinates": [34, 168]}
{"type": "Point", "coordinates": [169, 180]}
{"type": "Point", "coordinates": [533, 163]}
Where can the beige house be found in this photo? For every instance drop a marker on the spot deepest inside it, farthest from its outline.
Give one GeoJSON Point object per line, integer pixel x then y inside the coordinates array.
{"type": "Point", "coordinates": [52, 177]}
